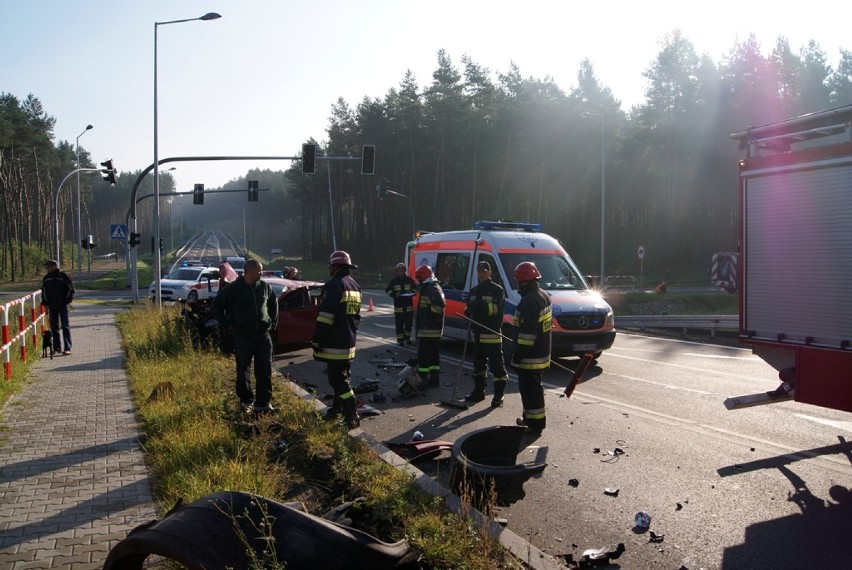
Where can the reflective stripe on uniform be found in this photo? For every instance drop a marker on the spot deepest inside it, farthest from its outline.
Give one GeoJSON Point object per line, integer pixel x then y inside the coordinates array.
{"type": "Point", "coordinates": [346, 395]}
{"type": "Point", "coordinates": [335, 353]}
{"type": "Point", "coordinates": [325, 318]}
{"type": "Point", "coordinates": [537, 414]}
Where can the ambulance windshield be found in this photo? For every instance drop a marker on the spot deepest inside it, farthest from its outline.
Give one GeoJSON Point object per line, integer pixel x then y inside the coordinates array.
{"type": "Point", "coordinates": [557, 272]}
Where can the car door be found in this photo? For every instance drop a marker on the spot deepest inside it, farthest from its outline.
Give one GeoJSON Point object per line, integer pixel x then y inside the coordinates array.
{"type": "Point", "coordinates": [297, 315]}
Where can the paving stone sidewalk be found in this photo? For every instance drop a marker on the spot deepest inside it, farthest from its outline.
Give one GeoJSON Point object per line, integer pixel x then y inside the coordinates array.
{"type": "Point", "coordinates": [73, 480]}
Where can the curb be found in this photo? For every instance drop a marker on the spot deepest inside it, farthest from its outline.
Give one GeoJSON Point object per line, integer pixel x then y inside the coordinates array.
{"type": "Point", "coordinates": [521, 549]}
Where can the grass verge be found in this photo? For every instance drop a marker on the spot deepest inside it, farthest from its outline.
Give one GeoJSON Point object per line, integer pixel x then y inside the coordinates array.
{"type": "Point", "coordinates": [198, 442]}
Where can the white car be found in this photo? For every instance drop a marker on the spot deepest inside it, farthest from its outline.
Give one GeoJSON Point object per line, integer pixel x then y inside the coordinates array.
{"type": "Point", "coordinates": [188, 284]}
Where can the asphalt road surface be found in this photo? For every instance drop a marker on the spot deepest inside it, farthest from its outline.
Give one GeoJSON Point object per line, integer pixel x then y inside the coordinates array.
{"type": "Point", "coordinates": [763, 487]}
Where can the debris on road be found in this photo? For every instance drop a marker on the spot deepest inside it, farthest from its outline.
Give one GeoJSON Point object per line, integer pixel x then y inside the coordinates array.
{"type": "Point", "coordinates": [654, 537]}
{"type": "Point", "coordinates": [642, 520]}
{"type": "Point", "coordinates": [368, 386]}
{"type": "Point", "coordinates": [611, 491]}
{"type": "Point", "coordinates": [600, 556]}
{"type": "Point", "coordinates": [574, 482]}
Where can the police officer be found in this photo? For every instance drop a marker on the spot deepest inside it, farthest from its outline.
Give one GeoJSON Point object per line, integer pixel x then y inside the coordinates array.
{"type": "Point", "coordinates": [401, 290]}
{"type": "Point", "coordinates": [430, 325]}
{"type": "Point", "coordinates": [485, 306]}
{"type": "Point", "coordinates": [531, 356]}
{"type": "Point", "coordinates": [335, 333]}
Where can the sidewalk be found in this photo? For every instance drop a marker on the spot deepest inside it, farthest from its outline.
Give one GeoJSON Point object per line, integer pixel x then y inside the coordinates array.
{"type": "Point", "coordinates": [73, 481]}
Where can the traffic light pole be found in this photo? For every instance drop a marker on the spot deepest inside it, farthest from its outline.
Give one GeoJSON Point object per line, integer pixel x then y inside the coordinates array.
{"type": "Point", "coordinates": [56, 210]}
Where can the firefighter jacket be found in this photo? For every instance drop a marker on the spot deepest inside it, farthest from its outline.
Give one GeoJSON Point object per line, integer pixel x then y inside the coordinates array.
{"type": "Point", "coordinates": [249, 310]}
{"type": "Point", "coordinates": [401, 289]}
{"type": "Point", "coordinates": [485, 306]}
{"type": "Point", "coordinates": [430, 310]}
{"type": "Point", "coordinates": [56, 289]}
{"type": "Point", "coordinates": [338, 318]}
{"type": "Point", "coordinates": [532, 322]}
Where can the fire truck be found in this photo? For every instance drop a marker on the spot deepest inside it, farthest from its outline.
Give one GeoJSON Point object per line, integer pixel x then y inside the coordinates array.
{"type": "Point", "coordinates": [795, 263]}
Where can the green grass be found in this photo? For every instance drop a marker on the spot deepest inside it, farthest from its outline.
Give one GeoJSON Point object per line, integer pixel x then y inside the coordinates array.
{"type": "Point", "coordinates": [720, 303]}
{"type": "Point", "coordinates": [198, 442]}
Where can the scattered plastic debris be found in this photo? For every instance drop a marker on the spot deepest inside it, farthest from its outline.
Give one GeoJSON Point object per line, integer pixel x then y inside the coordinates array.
{"type": "Point", "coordinates": [501, 521]}
{"type": "Point", "coordinates": [654, 537]}
{"type": "Point", "coordinates": [643, 520]}
{"type": "Point", "coordinates": [378, 398]}
{"type": "Point", "coordinates": [611, 491]}
{"type": "Point", "coordinates": [600, 556]}
{"type": "Point", "coordinates": [417, 436]}
{"type": "Point", "coordinates": [370, 386]}
{"type": "Point", "coordinates": [678, 506]}
{"type": "Point", "coordinates": [596, 450]}
{"type": "Point", "coordinates": [574, 482]}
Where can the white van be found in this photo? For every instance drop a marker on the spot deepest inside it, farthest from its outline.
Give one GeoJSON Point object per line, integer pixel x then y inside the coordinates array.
{"type": "Point", "coordinates": [582, 321]}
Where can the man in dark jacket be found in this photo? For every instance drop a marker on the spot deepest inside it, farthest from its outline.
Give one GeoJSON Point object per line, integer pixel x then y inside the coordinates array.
{"type": "Point", "coordinates": [401, 290]}
{"type": "Point", "coordinates": [430, 326]}
{"type": "Point", "coordinates": [57, 292]}
{"type": "Point", "coordinates": [335, 334]}
{"type": "Point", "coordinates": [249, 308]}
{"type": "Point", "coordinates": [485, 306]}
{"type": "Point", "coordinates": [533, 321]}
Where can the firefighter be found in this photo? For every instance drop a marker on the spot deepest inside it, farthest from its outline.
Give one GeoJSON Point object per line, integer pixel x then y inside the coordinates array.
{"type": "Point", "coordinates": [335, 333]}
{"type": "Point", "coordinates": [531, 356]}
{"type": "Point", "coordinates": [430, 326]}
{"type": "Point", "coordinates": [401, 290]}
{"type": "Point", "coordinates": [485, 307]}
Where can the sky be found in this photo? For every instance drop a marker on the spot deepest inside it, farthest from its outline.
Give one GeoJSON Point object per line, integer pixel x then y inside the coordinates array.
{"type": "Point", "coordinates": [262, 79]}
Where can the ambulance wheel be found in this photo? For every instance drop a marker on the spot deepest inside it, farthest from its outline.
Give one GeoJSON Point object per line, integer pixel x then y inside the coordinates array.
{"type": "Point", "coordinates": [192, 297]}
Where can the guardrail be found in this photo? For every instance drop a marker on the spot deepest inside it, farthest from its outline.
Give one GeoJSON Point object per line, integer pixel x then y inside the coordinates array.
{"type": "Point", "coordinates": [17, 310]}
{"type": "Point", "coordinates": [685, 322]}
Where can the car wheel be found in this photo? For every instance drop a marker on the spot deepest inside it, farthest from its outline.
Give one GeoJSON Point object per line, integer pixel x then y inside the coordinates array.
{"type": "Point", "coordinates": [192, 297]}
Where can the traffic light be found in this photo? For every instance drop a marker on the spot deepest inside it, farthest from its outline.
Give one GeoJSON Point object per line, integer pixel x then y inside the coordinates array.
{"type": "Point", "coordinates": [134, 239]}
{"type": "Point", "coordinates": [368, 159]}
{"type": "Point", "coordinates": [161, 245]}
{"type": "Point", "coordinates": [197, 196]}
{"type": "Point", "coordinates": [109, 171]}
{"type": "Point", "coordinates": [252, 191]}
{"type": "Point", "coordinates": [309, 158]}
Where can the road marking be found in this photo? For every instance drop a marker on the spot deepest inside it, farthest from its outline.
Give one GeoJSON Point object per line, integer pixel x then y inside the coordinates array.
{"type": "Point", "coordinates": [682, 367]}
{"type": "Point", "coordinates": [832, 423]}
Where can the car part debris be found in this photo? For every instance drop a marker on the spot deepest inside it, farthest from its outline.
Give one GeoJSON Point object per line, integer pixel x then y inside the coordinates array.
{"type": "Point", "coordinates": [574, 482]}
{"type": "Point", "coordinates": [642, 520]}
{"type": "Point", "coordinates": [611, 491]}
{"type": "Point", "coordinates": [409, 381]}
{"type": "Point", "coordinates": [378, 398]}
{"type": "Point", "coordinates": [364, 387]}
{"type": "Point", "coordinates": [485, 464]}
{"type": "Point", "coordinates": [233, 529]}
{"type": "Point", "coordinates": [600, 556]}
{"type": "Point", "coordinates": [654, 537]}
{"type": "Point", "coordinates": [419, 449]}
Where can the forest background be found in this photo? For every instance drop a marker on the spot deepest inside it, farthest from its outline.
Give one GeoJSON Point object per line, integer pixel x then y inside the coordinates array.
{"type": "Point", "coordinates": [471, 145]}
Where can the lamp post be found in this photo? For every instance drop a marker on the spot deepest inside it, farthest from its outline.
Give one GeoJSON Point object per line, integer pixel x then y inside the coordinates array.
{"type": "Point", "coordinates": [245, 236]}
{"type": "Point", "coordinates": [603, 190]}
{"type": "Point", "coordinates": [157, 268]}
{"type": "Point", "coordinates": [79, 226]}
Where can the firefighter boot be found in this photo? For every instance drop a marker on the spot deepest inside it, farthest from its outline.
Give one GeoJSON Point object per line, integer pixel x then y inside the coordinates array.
{"type": "Point", "coordinates": [434, 379]}
{"type": "Point", "coordinates": [478, 393]}
{"type": "Point", "coordinates": [499, 388]}
{"type": "Point", "coordinates": [334, 411]}
{"type": "Point", "coordinates": [350, 413]}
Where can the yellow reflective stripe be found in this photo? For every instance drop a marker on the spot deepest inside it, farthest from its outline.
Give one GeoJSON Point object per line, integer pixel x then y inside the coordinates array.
{"type": "Point", "coordinates": [322, 353]}
{"type": "Point", "coordinates": [398, 310]}
{"type": "Point", "coordinates": [434, 368]}
{"type": "Point", "coordinates": [437, 309]}
{"type": "Point", "coordinates": [429, 334]}
{"type": "Point", "coordinates": [346, 395]}
{"type": "Point", "coordinates": [517, 319]}
{"type": "Point", "coordinates": [325, 318]}
{"type": "Point", "coordinates": [501, 379]}
{"type": "Point", "coordinates": [537, 414]}
{"type": "Point", "coordinates": [533, 363]}
{"type": "Point", "coordinates": [489, 340]}
{"type": "Point", "coordinates": [492, 309]}
{"type": "Point", "coordinates": [349, 296]}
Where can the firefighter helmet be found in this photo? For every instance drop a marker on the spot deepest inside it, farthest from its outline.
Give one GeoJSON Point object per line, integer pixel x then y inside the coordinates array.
{"type": "Point", "coordinates": [423, 273]}
{"type": "Point", "coordinates": [340, 257]}
{"type": "Point", "coordinates": [526, 271]}
{"type": "Point", "coordinates": [400, 266]}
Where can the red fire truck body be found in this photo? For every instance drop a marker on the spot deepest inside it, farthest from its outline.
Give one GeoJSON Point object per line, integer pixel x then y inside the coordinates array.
{"type": "Point", "coordinates": [795, 263]}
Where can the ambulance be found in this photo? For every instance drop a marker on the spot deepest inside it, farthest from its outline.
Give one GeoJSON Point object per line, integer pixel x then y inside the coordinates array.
{"type": "Point", "coordinates": [582, 321]}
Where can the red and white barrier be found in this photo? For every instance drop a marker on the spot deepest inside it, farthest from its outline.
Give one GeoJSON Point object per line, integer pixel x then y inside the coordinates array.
{"type": "Point", "coordinates": [36, 319]}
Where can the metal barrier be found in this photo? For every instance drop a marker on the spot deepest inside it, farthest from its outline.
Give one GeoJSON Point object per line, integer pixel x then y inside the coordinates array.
{"type": "Point", "coordinates": [684, 322]}
{"type": "Point", "coordinates": [620, 282]}
{"type": "Point", "coordinates": [17, 310]}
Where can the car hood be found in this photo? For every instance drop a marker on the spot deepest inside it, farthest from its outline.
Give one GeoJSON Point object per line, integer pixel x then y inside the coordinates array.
{"type": "Point", "coordinates": [576, 302]}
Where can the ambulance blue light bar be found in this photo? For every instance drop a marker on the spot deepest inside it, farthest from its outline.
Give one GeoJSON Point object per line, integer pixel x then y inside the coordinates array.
{"type": "Point", "coordinates": [521, 226]}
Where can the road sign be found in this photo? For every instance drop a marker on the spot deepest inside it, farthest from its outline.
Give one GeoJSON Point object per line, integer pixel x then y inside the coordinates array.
{"type": "Point", "coordinates": [641, 252]}
{"type": "Point", "coordinates": [118, 231]}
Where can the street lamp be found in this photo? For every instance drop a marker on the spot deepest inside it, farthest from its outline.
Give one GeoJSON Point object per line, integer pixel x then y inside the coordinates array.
{"type": "Point", "coordinates": [157, 267]}
{"type": "Point", "coordinates": [603, 189]}
{"type": "Point", "coordinates": [79, 226]}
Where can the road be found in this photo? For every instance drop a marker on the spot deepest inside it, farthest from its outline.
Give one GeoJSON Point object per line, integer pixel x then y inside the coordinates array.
{"type": "Point", "coordinates": [765, 487]}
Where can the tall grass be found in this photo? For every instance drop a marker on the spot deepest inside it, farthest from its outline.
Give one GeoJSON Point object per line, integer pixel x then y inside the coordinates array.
{"type": "Point", "coordinates": [198, 442]}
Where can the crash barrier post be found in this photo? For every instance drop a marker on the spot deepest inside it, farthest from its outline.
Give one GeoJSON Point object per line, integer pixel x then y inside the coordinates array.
{"type": "Point", "coordinates": [620, 282]}
{"type": "Point", "coordinates": [24, 328]}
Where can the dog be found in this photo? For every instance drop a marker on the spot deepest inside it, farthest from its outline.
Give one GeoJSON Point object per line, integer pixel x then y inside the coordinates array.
{"type": "Point", "coordinates": [47, 344]}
